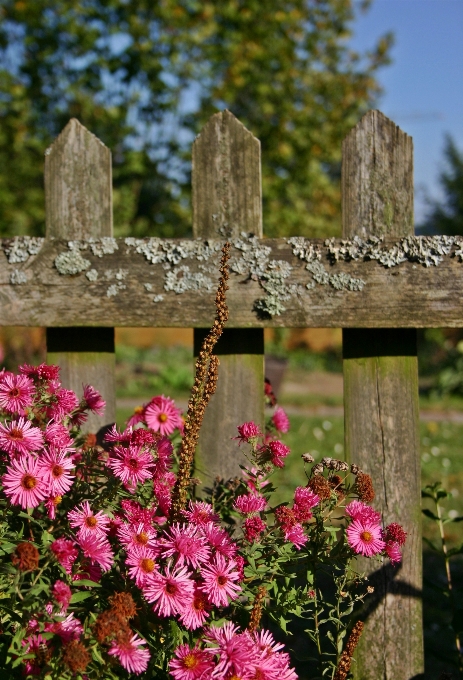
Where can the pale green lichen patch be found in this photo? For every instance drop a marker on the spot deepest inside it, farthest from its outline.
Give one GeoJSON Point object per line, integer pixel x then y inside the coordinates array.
{"type": "Point", "coordinates": [20, 248]}
{"type": "Point", "coordinates": [17, 277]}
{"type": "Point", "coordinates": [71, 263]}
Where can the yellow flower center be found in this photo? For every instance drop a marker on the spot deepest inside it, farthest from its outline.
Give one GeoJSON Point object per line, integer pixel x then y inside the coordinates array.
{"type": "Point", "coordinates": [366, 536]}
{"type": "Point", "coordinates": [28, 482]}
{"type": "Point", "coordinates": [163, 417]}
{"type": "Point", "coordinates": [190, 661]}
{"type": "Point", "coordinates": [147, 565]}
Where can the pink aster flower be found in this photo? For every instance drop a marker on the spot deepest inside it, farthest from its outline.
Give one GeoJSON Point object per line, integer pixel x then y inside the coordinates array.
{"type": "Point", "coordinates": [32, 644]}
{"type": "Point", "coordinates": [195, 613]}
{"type": "Point", "coordinates": [235, 651]}
{"type": "Point", "coordinates": [296, 536]}
{"type": "Point", "coordinates": [278, 451]}
{"type": "Point", "coordinates": [393, 552]}
{"type": "Point", "coordinates": [164, 450]}
{"type": "Point", "coordinates": [42, 372]}
{"type": "Point", "coordinates": [132, 465]}
{"type": "Point", "coordinates": [219, 540]}
{"type": "Point", "coordinates": [62, 594]}
{"type": "Point", "coordinates": [65, 552]}
{"type": "Point", "coordinates": [200, 513]}
{"type": "Point", "coordinates": [250, 503]}
{"type": "Point", "coordinates": [186, 545]}
{"type": "Point", "coordinates": [220, 580]}
{"type": "Point", "coordinates": [88, 572]}
{"type": "Point", "coordinates": [97, 548]}
{"type": "Point", "coordinates": [171, 592]}
{"type": "Point", "coordinates": [364, 537]}
{"type": "Point", "coordinates": [64, 402]}
{"type": "Point", "coordinates": [190, 663]}
{"type": "Point", "coordinates": [51, 504]}
{"type": "Point", "coordinates": [131, 655]}
{"type": "Point", "coordinates": [162, 415]}
{"type": "Point", "coordinates": [362, 512]}
{"type": "Point", "coordinates": [247, 432]}
{"type": "Point", "coordinates": [304, 500]}
{"type": "Point", "coordinates": [395, 532]}
{"type": "Point", "coordinates": [253, 527]}
{"type": "Point", "coordinates": [20, 436]}
{"type": "Point", "coordinates": [55, 465]}
{"type": "Point", "coordinates": [136, 535]}
{"type": "Point", "coordinates": [138, 416]}
{"type": "Point", "coordinates": [142, 562]}
{"type": "Point", "coordinates": [87, 521]}
{"type": "Point", "coordinates": [280, 420]}
{"type": "Point", "coordinates": [15, 392]}
{"type": "Point", "coordinates": [23, 482]}
{"type": "Point", "coordinates": [93, 400]}
{"type": "Point", "coordinates": [58, 435]}
{"type": "Point", "coordinates": [69, 629]}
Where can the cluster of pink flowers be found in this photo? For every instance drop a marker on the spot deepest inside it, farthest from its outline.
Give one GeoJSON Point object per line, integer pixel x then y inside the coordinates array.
{"type": "Point", "coordinates": [366, 537]}
{"type": "Point", "coordinates": [185, 569]}
{"type": "Point", "coordinates": [225, 652]}
{"type": "Point", "coordinates": [35, 435]}
{"type": "Point", "coordinates": [291, 520]}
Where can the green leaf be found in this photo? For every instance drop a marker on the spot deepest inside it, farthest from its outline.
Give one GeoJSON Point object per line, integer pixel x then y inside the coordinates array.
{"type": "Point", "coordinates": [86, 582]}
{"type": "Point", "coordinates": [430, 514]}
{"type": "Point", "coordinates": [78, 597]}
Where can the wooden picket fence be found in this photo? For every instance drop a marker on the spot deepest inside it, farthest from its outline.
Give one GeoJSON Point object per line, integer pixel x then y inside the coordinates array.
{"type": "Point", "coordinates": [379, 284]}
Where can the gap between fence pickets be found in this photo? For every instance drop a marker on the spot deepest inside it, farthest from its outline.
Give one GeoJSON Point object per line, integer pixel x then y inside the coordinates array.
{"type": "Point", "coordinates": [295, 282]}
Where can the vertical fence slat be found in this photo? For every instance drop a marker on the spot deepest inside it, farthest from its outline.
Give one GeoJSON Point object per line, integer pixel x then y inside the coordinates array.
{"type": "Point", "coordinates": [381, 402]}
{"type": "Point", "coordinates": [78, 197]}
{"type": "Point", "coordinates": [227, 199]}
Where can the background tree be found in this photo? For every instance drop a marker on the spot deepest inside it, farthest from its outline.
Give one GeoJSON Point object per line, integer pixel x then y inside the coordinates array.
{"type": "Point", "coordinates": [144, 76]}
{"type": "Point", "coordinates": [446, 216]}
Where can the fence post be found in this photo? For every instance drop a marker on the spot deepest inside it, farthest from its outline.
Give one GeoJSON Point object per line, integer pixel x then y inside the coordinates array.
{"type": "Point", "coordinates": [227, 200]}
{"type": "Point", "coordinates": [78, 197]}
{"type": "Point", "coordinates": [381, 402]}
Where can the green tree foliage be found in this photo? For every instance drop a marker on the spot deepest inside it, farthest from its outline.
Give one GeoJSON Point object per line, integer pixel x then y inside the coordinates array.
{"type": "Point", "coordinates": [446, 217]}
{"type": "Point", "coordinates": [145, 75]}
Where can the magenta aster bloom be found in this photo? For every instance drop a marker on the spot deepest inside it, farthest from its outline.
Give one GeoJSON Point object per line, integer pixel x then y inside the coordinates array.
{"type": "Point", "coordinates": [393, 552]}
{"type": "Point", "coordinates": [42, 372]}
{"type": "Point", "coordinates": [363, 512]}
{"type": "Point", "coordinates": [280, 420]}
{"type": "Point", "coordinates": [62, 594]}
{"type": "Point", "coordinates": [296, 536]}
{"type": "Point", "coordinates": [219, 540]}
{"type": "Point", "coordinates": [250, 503]}
{"type": "Point", "coordinates": [162, 416]}
{"type": "Point", "coordinates": [200, 513]}
{"type": "Point", "coordinates": [278, 452]}
{"type": "Point", "coordinates": [55, 465]}
{"type": "Point", "coordinates": [253, 527]}
{"type": "Point", "coordinates": [23, 482]}
{"type": "Point", "coordinates": [64, 402]}
{"type": "Point", "coordinates": [395, 532]}
{"type": "Point", "coordinates": [57, 435]}
{"type": "Point", "coordinates": [98, 549]}
{"type": "Point", "coordinates": [132, 465]}
{"type": "Point", "coordinates": [304, 500]}
{"type": "Point", "coordinates": [248, 432]}
{"type": "Point", "coordinates": [186, 545]}
{"type": "Point", "coordinates": [93, 400]}
{"type": "Point", "coordinates": [69, 629]}
{"type": "Point", "coordinates": [65, 552]}
{"type": "Point", "coordinates": [15, 392]}
{"type": "Point", "coordinates": [138, 416]}
{"type": "Point", "coordinates": [195, 613]}
{"type": "Point", "coordinates": [236, 651]}
{"type": "Point", "coordinates": [190, 663]}
{"type": "Point", "coordinates": [131, 655]}
{"type": "Point", "coordinates": [364, 537]}
{"type": "Point", "coordinates": [142, 562]}
{"type": "Point", "coordinates": [171, 592]}
{"type": "Point", "coordinates": [87, 522]}
{"type": "Point", "coordinates": [220, 580]}
{"type": "Point", "coordinates": [20, 436]}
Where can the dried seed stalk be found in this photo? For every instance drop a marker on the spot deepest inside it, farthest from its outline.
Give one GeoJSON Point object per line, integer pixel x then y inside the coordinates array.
{"type": "Point", "coordinates": [256, 612]}
{"type": "Point", "coordinates": [206, 372]}
{"type": "Point", "coordinates": [346, 657]}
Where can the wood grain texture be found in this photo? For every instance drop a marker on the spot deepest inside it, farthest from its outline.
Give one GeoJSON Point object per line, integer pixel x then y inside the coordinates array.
{"type": "Point", "coordinates": [78, 197]}
{"type": "Point", "coordinates": [408, 295]}
{"type": "Point", "coordinates": [227, 200]}
{"type": "Point", "coordinates": [381, 404]}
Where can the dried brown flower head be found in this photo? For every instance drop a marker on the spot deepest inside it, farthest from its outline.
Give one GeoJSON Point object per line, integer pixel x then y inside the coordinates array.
{"type": "Point", "coordinates": [110, 625]}
{"type": "Point", "coordinates": [320, 486]}
{"type": "Point", "coordinates": [335, 483]}
{"type": "Point", "coordinates": [346, 657]}
{"type": "Point", "coordinates": [26, 557]}
{"type": "Point", "coordinates": [256, 612]}
{"type": "Point", "coordinates": [76, 656]}
{"type": "Point", "coordinates": [123, 604]}
{"type": "Point", "coordinates": [364, 487]}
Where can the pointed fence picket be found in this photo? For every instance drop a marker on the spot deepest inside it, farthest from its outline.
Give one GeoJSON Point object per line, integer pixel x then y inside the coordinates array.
{"type": "Point", "coordinates": [103, 282]}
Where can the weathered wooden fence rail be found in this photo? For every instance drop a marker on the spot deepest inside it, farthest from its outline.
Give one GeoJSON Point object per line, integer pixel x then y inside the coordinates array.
{"type": "Point", "coordinates": [378, 284]}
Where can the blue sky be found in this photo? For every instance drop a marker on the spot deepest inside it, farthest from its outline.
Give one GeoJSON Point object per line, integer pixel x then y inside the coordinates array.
{"type": "Point", "coordinates": [423, 87]}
